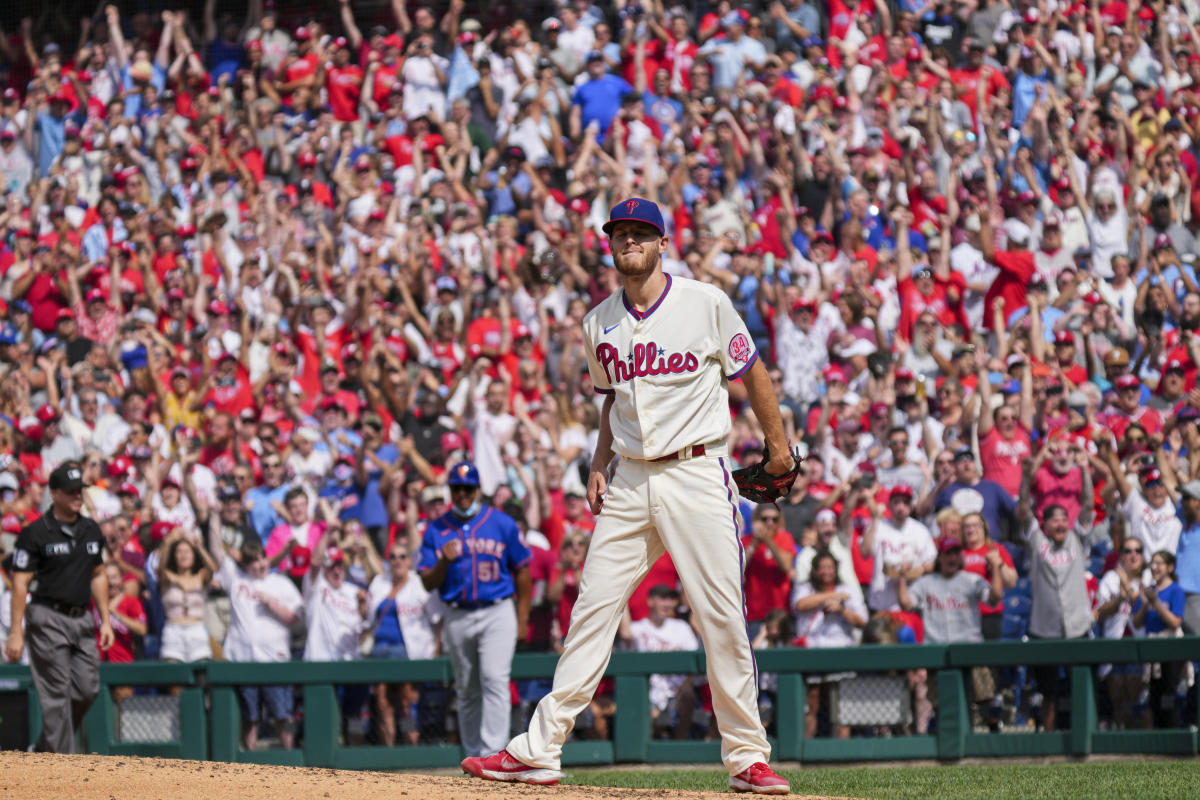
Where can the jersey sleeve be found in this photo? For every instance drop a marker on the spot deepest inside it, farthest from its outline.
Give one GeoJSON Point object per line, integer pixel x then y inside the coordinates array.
{"type": "Point", "coordinates": [599, 377]}
{"type": "Point", "coordinates": [916, 593]}
{"type": "Point", "coordinates": [429, 554]}
{"type": "Point", "coordinates": [26, 554]}
{"type": "Point", "coordinates": [518, 554]}
{"type": "Point", "coordinates": [737, 351]}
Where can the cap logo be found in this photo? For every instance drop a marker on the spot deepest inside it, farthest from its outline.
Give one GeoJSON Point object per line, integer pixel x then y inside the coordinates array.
{"type": "Point", "coordinates": [630, 205]}
{"type": "Point", "coordinates": [74, 475]}
{"type": "Point", "coordinates": [463, 469]}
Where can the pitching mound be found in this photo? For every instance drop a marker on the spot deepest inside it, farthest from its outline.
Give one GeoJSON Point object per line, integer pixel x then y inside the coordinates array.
{"type": "Point", "coordinates": [35, 776]}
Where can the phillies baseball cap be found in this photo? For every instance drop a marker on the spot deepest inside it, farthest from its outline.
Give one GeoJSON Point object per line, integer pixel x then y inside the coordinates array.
{"type": "Point", "coordinates": [47, 414]}
{"type": "Point", "coordinates": [1064, 337]}
{"type": "Point", "coordinates": [900, 490]}
{"type": "Point", "coordinates": [948, 543]}
{"type": "Point", "coordinates": [1128, 381]}
{"type": "Point", "coordinates": [835, 374]}
{"type": "Point", "coordinates": [334, 555]}
{"type": "Point", "coordinates": [636, 209]}
{"type": "Point", "coordinates": [1174, 365]}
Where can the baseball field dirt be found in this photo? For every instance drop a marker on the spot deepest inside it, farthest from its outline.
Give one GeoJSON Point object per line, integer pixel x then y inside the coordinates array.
{"type": "Point", "coordinates": [35, 776]}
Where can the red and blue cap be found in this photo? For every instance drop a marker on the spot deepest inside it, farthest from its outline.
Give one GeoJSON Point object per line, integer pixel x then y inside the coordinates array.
{"type": "Point", "coordinates": [636, 209]}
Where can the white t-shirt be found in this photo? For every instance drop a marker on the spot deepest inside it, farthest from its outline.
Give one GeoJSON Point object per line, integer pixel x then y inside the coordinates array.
{"type": "Point", "coordinates": [255, 634]}
{"type": "Point", "coordinates": [181, 515]}
{"type": "Point", "coordinates": [334, 624]}
{"type": "Point", "coordinates": [819, 629]}
{"type": "Point", "coordinates": [313, 470]}
{"type": "Point", "coordinates": [909, 544]}
{"type": "Point", "coordinates": [673, 634]}
{"type": "Point", "coordinates": [1156, 528]}
{"type": "Point", "coordinates": [1110, 587]}
{"type": "Point", "coordinates": [418, 610]}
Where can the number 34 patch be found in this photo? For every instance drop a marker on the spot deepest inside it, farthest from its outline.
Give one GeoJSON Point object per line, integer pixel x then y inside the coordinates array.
{"type": "Point", "coordinates": [739, 349]}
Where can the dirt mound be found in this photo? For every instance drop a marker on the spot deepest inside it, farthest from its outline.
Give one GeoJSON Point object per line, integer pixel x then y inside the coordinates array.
{"type": "Point", "coordinates": [35, 776]}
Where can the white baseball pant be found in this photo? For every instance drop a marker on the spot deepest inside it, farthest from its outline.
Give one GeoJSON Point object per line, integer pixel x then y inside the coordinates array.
{"type": "Point", "coordinates": [690, 508]}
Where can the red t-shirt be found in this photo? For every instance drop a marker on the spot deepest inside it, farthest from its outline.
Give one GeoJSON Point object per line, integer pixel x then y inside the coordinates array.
{"type": "Point", "coordinates": [975, 562]}
{"type": "Point", "coordinates": [235, 397]}
{"type": "Point", "coordinates": [385, 76]}
{"type": "Point", "coordinates": [121, 651]}
{"type": "Point", "coordinates": [45, 299]}
{"type": "Point", "coordinates": [662, 571]}
{"type": "Point", "coordinates": [1016, 268]}
{"type": "Point", "coordinates": [1050, 488]}
{"type": "Point", "coordinates": [913, 304]}
{"type": "Point", "coordinates": [766, 584]}
{"type": "Point", "coordinates": [541, 570]}
{"type": "Point", "coordinates": [1002, 458]}
{"type": "Point", "coordinates": [344, 85]}
{"type": "Point", "coordinates": [566, 603]}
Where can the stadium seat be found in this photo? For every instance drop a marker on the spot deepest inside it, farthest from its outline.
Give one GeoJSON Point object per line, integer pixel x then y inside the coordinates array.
{"type": "Point", "coordinates": [1014, 628]}
{"type": "Point", "coordinates": [1017, 605]}
{"type": "Point", "coordinates": [1024, 587]}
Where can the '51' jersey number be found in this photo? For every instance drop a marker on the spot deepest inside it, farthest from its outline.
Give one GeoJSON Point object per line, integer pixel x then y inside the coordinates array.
{"type": "Point", "coordinates": [487, 571]}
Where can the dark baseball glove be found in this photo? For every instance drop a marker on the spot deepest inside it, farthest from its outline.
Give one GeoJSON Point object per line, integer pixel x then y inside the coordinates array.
{"type": "Point", "coordinates": [759, 486]}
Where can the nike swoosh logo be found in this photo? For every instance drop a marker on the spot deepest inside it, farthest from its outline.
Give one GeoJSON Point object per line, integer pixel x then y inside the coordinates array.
{"type": "Point", "coordinates": [610, 329]}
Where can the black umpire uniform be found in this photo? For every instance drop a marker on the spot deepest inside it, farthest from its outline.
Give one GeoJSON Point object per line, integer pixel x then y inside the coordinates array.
{"type": "Point", "coordinates": [61, 555]}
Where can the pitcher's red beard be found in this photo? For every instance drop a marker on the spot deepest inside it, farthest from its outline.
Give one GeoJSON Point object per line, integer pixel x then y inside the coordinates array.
{"type": "Point", "coordinates": [648, 262]}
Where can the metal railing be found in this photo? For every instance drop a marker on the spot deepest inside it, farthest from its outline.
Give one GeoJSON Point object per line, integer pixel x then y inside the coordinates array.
{"type": "Point", "coordinates": [209, 716]}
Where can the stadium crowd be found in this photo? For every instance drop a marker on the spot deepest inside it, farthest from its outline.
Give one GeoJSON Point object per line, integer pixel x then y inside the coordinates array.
{"type": "Point", "coordinates": [268, 277]}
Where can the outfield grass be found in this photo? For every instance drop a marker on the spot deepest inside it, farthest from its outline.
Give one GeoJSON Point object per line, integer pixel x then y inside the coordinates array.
{"type": "Point", "coordinates": [1157, 780]}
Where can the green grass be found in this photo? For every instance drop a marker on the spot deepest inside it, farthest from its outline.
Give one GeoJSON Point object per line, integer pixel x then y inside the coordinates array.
{"type": "Point", "coordinates": [1157, 780]}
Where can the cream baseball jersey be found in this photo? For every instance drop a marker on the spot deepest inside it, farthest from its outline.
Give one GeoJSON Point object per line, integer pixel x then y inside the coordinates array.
{"type": "Point", "coordinates": [667, 366]}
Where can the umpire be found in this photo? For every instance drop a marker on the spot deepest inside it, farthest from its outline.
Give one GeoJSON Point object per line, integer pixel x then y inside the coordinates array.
{"type": "Point", "coordinates": [60, 553]}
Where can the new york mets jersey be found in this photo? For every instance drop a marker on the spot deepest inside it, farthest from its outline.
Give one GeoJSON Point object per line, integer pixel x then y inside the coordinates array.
{"type": "Point", "coordinates": [667, 366]}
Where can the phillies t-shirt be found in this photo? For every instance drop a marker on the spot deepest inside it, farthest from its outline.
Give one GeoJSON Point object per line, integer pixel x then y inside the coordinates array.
{"type": "Point", "coordinates": [1002, 458]}
{"type": "Point", "coordinates": [950, 606]}
{"type": "Point", "coordinates": [334, 622]}
{"type": "Point", "coordinates": [345, 88]}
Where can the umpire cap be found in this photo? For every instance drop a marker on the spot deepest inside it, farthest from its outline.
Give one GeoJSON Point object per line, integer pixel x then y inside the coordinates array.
{"type": "Point", "coordinates": [464, 473]}
{"type": "Point", "coordinates": [68, 475]}
{"type": "Point", "coordinates": [635, 209]}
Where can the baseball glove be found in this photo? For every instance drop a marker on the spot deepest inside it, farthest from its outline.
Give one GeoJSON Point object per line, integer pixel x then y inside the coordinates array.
{"type": "Point", "coordinates": [757, 485]}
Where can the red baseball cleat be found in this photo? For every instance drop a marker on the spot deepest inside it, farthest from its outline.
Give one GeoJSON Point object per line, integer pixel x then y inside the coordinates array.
{"type": "Point", "coordinates": [503, 767]}
{"type": "Point", "coordinates": [759, 779]}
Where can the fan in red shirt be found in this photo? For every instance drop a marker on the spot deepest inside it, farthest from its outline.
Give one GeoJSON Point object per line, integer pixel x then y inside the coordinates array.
{"type": "Point", "coordinates": [574, 519]}
{"type": "Point", "coordinates": [231, 391]}
{"type": "Point", "coordinates": [1064, 355]}
{"type": "Point", "coordinates": [331, 391]}
{"type": "Point", "coordinates": [299, 69]}
{"type": "Point", "coordinates": [1005, 441]}
{"type": "Point", "coordinates": [1018, 272]}
{"type": "Point", "coordinates": [966, 80]}
{"type": "Point", "coordinates": [920, 294]}
{"type": "Point", "coordinates": [343, 82]}
{"type": "Point", "coordinates": [386, 70]}
{"type": "Point", "coordinates": [770, 550]}
{"type": "Point", "coordinates": [679, 54]}
{"type": "Point", "coordinates": [1128, 409]}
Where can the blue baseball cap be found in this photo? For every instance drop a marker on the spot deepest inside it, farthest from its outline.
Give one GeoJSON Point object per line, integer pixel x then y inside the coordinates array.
{"type": "Point", "coordinates": [464, 473]}
{"type": "Point", "coordinates": [636, 209]}
{"type": "Point", "coordinates": [8, 334]}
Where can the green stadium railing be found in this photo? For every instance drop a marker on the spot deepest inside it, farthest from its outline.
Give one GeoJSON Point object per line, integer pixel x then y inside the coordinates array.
{"type": "Point", "coordinates": [211, 717]}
